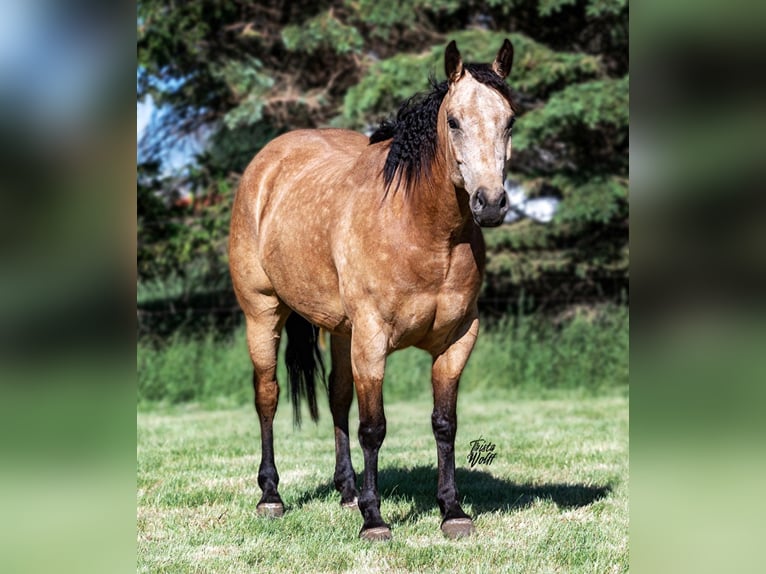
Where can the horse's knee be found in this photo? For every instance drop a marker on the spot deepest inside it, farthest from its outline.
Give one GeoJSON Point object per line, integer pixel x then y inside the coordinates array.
{"type": "Point", "coordinates": [371, 434]}
{"type": "Point", "coordinates": [444, 426]}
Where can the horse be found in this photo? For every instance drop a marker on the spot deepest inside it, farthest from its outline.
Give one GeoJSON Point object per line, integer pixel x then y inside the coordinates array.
{"type": "Point", "coordinates": [377, 241]}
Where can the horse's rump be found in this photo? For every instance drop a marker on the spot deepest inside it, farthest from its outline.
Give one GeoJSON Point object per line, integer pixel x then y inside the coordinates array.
{"type": "Point", "coordinates": [290, 201]}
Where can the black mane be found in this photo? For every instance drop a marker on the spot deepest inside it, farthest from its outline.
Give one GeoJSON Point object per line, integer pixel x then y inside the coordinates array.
{"type": "Point", "coordinates": [413, 131]}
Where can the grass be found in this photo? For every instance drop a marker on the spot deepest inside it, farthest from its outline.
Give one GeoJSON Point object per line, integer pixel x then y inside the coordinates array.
{"type": "Point", "coordinates": [554, 500]}
{"type": "Point", "coordinates": [529, 354]}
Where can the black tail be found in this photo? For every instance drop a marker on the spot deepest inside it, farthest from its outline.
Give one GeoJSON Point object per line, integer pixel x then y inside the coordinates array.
{"type": "Point", "coordinates": [302, 357]}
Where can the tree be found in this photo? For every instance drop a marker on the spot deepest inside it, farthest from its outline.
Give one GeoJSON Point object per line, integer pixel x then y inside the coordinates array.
{"type": "Point", "coordinates": [246, 72]}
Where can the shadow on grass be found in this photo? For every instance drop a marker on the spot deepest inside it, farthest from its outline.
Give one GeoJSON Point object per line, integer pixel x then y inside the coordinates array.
{"type": "Point", "coordinates": [483, 491]}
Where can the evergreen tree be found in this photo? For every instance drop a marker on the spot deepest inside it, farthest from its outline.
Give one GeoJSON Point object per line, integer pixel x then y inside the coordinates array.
{"type": "Point", "coordinates": [242, 72]}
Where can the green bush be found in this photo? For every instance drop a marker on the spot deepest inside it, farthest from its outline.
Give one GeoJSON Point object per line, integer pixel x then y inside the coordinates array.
{"type": "Point", "coordinates": [587, 351]}
{"type": "Point", "coordinates": [241, 73]}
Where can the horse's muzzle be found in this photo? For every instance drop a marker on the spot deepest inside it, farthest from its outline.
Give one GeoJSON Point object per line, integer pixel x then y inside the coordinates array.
{"type": "Point", "coordinates": [489, 208]}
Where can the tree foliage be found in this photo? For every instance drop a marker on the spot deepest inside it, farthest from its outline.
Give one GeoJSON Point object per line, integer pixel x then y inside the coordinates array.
{"type": "Point", "coordinates": [243, 72]}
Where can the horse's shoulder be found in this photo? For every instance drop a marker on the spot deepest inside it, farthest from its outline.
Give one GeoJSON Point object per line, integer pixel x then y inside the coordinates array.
{"type": "Point", "coordinates": [468, 255]}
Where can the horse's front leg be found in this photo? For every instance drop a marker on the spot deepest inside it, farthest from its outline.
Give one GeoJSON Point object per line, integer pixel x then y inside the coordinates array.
{"type": "Point", "coordinates": [445, 374]}
{"type": "Point", "coordinates": [368, 358]}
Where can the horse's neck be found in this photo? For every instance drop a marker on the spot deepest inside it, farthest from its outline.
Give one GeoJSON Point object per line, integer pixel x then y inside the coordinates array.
{"type": "Point", "coordinates": [438, 204]}
{"type": "Point", "coordinates": [433, 205]}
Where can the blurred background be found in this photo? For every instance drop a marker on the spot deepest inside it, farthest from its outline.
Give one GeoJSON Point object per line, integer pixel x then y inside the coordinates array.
{"type": "Point", "coordinates": [67, 228]}
{"type": "Point", "coordinates": [67, 233]}
{"type": "Point", "coordinates": [217, 80]}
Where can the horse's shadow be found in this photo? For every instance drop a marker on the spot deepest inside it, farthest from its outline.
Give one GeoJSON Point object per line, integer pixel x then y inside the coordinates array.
{"type": "Point", "coordinates": [483, 491]}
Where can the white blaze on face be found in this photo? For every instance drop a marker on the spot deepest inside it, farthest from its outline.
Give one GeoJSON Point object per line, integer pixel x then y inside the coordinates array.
{"type": "Point", "coordinates": [477, 118]}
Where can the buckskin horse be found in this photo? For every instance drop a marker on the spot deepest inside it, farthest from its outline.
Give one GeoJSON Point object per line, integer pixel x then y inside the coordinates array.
{"type": "Point", "coordinates": [376, 240]}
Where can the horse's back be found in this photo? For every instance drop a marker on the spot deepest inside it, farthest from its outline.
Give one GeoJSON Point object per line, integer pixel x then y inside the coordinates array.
{"type": "Point", "coordinates": [292, 157]}
{"type": "Point", "coordinates": [311, 147]}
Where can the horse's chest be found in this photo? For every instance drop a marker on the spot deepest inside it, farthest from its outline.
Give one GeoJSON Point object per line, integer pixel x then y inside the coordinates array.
{"type": "Point", "coordinates": [430, 317]}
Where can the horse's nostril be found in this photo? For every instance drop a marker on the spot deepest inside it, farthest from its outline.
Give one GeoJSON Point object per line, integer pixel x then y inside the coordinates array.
{"type": "Point", "coordinates": [479, 200]}
{"type": "Point", "coordinates": [503, 201]}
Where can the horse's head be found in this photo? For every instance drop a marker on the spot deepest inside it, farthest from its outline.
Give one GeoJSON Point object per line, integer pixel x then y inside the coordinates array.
{"type": "Point", "coordinates": [477, 116]}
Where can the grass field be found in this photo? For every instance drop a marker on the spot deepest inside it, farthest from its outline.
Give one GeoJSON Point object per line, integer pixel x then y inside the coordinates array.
{"type": "Point", "coordinates": [555, 499]}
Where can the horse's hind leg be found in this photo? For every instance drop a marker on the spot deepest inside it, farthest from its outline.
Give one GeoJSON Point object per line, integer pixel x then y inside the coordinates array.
{"type": "Point", "coordinates": [341, 395]}
{"type": "Point", "coordinates": [264, 327]}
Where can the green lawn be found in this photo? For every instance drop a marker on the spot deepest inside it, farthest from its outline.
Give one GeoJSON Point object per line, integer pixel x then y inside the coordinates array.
{"type": "Point", "coordinates": [555, 499]}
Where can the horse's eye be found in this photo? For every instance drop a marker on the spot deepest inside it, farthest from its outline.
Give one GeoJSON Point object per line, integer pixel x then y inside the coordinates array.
{"type": "Point", "coordinates": [453, 123]}
{"type": "Point", "coordinates": [509, 126]}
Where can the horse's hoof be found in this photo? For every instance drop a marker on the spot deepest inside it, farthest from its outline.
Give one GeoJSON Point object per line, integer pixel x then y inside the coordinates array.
{"type": "Point", "coordinates": [270, 509]}
{"type": "Point", "coordinates": [458, 527]}
{"type": "Point", "coordinates": [350, 504]}
{"type": "Point", "coordinates": [376, 533]}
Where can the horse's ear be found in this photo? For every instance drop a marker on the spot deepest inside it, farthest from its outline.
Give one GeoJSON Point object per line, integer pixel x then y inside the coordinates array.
{"type": "Point", "coordinates": [504, 59]}
{"type": "Point", "coordinates": [453, 63]}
